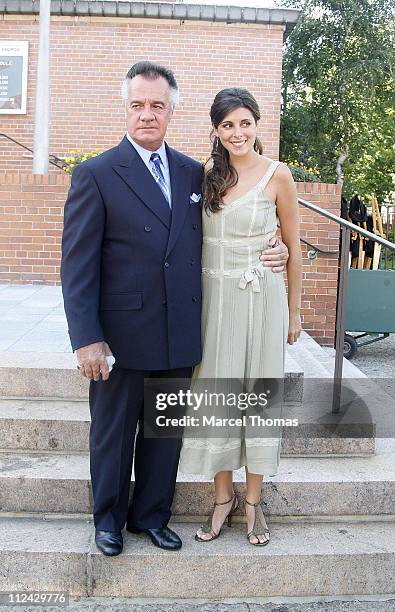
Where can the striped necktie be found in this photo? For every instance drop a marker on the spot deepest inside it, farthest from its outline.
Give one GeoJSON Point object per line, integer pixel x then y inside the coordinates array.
{"type": "Point", "coordinates": [155, 160]}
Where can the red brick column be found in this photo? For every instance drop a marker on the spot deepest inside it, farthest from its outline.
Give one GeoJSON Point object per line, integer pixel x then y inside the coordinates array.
{"type": "Point", "coordinates": [320, 274]}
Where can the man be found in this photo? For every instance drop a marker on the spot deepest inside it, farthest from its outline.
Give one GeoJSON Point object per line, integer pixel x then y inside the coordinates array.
{"type": "Point", "coordinates": [131, 286]}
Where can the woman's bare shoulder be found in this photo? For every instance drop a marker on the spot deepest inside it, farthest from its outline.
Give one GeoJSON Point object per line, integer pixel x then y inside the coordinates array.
{"type": "Point", "coordinates": [281, 170]}
{"type": "Point", "coordinates": [283, 173]}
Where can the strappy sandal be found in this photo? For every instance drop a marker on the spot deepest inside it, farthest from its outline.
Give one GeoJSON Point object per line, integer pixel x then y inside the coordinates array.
{"type": "Point", "coordinates": [258, 528]}
{"type": "Point", "coordinates": [208, 526]}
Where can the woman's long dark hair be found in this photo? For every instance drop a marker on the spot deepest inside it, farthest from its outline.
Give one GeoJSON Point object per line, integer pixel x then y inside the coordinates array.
{"type": "Point", "coordinates": [222, 176]}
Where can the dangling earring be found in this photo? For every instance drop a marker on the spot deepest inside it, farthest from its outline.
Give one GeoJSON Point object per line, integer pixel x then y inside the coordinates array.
{"type": "Point", "coordinates": [216, 143]}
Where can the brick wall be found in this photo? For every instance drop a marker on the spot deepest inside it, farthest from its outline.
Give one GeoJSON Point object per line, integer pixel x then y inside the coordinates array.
{"type": "Point", "coordinates": [31, 215]}
{"type": "Point", "coordinates": [31, 221]}
{"type": "Point", "coordinates": [320, 274]}
{"type": "Point", "coordinates": [90, 56]}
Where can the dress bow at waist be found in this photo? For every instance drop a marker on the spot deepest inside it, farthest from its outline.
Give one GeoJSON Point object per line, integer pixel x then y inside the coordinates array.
{"type": "Point", "coordinates": [252, 275]}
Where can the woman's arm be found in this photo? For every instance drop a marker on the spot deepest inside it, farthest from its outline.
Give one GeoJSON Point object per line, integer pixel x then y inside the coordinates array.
{"type": "Point", "coordinates": [288, 214]}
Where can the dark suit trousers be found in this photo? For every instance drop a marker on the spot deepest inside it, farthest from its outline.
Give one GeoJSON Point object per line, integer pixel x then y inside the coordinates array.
{"type": "Point", "coordinates": [116, 407]}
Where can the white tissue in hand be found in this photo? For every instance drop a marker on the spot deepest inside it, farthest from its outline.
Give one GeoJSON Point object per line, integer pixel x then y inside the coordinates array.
{"type": "Point", "coordinates": [110, 362]}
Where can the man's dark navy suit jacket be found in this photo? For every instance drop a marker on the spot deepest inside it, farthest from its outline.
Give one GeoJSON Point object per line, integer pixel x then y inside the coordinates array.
{"type": "Point", "coordinates": [131, 271]}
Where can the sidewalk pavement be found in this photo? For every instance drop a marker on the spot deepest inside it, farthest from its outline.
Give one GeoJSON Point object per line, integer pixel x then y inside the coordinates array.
{"type": "Point", "coordinates": [32, 319]}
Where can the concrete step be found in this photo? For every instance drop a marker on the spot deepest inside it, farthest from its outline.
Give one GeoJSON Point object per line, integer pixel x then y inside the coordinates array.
{"type": "Point", "coordinates": [55, 482]}
{"type": "Point", "coordinates": [24, 374]}
{"type": "Point", "coordinates": [44, 374]}
{"type": "Point", "coordinates": [369, 399]}
{"type": "Point", "coordinates": [53, 424]}
{"type": "Point", "coordinates": [44, 424]}
{"type": "Point", "coordinates": [319, 362]}
{"type": "Point", "coordinates": [54, 375]}
{"type": "Point", "coordinates": [302, 559]}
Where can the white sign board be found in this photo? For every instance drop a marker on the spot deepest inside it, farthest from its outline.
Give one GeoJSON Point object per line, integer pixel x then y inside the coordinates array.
{"type": "Point", "coordinates": [13, 77]}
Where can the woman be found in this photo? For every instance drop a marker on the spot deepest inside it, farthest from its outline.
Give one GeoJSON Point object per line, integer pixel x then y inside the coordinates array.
{"type": "Point", "coordinates": [246, 320]}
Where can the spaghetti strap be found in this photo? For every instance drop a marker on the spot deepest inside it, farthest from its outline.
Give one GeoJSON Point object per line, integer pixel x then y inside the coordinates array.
{"type": "Point", "coordinates": [269, 173]}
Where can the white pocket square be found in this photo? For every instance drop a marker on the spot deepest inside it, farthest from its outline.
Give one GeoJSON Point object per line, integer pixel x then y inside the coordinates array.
{"type": "Point", "coordinates": [195, 197]}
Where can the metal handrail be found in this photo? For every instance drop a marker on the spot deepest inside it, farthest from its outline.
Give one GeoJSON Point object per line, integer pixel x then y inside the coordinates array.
{"type": "Point", "coordinates": [346, 223]}
{"type": "Point", "coordinates": [53, 159]}
{"type": "Point", "coordinates": [318, 249]}
{"type": "Point", "coordinates": [346, 227]}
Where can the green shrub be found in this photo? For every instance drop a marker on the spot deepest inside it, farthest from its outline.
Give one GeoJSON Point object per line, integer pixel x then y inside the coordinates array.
{"type": "Point", "coordinates": [301, 173]}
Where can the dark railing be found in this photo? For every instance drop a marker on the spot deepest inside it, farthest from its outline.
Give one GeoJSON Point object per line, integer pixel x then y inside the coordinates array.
{"type": "Point", "coordinates": [53, 159]}
{"type": "Point", "coordinates": [312, 254]}
{"type": "Point", "coordinates": [345, 230]}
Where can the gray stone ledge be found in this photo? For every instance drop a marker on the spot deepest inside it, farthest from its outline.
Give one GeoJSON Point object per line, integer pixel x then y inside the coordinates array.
{"type": "Point", "coordinates": [302, 560]}
{"type": "Point", "coordinates": [158, 10]}
{"type": "Point", "coordinates": [314, 487]}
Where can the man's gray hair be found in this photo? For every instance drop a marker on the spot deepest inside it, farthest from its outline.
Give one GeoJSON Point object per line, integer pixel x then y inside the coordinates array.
{"type": "Point", "coordinates": [149, 70]}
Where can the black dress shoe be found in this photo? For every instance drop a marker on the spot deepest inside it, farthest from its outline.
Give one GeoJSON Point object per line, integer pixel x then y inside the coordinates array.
{"type": "Point", "coordinates": [162, 537]}
{"type": "Point", "coordinates": [109, 542]}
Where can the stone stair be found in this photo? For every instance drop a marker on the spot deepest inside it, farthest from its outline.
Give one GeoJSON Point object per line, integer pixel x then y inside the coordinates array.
{"type": "Point", "coordinates": [330, 507]}
{"type": "Point", "coordinates": [309, 558]}
{"type": "Point", "coordinates": [54, 482]}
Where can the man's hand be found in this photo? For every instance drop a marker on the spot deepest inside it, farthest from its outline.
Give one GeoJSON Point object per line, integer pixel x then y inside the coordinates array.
{"type": "Point", "coordinates": [92, 360]}
{"type": "Point", "coordinates": [275, 256]}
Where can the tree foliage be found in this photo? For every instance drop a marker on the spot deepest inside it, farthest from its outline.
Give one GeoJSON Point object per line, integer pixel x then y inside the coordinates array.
{"type": "Point", "coordinates": [338, 100]}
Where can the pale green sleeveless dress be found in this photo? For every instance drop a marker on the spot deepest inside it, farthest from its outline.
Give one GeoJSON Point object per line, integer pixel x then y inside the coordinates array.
{"type": "Point", "coordinates": [244, 326]}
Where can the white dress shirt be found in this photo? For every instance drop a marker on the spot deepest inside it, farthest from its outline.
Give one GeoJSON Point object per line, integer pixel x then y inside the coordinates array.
{"type": "Point", "coordinates": [146, 156]}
